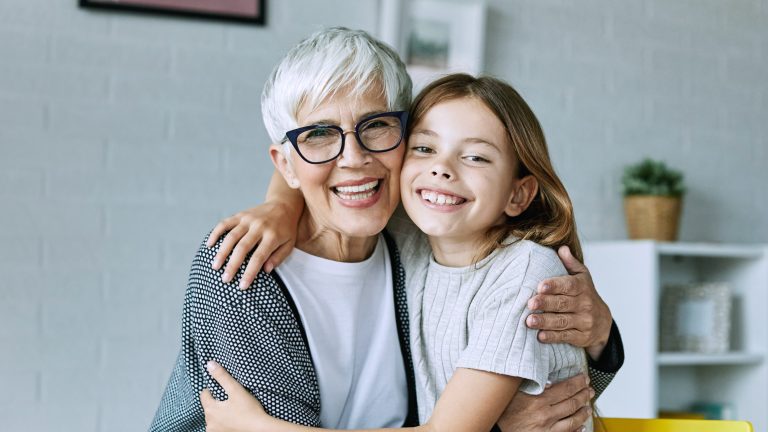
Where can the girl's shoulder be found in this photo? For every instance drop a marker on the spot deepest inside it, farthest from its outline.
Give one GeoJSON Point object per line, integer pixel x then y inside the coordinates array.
{"type": "Point", "coordinates": [527, 260]}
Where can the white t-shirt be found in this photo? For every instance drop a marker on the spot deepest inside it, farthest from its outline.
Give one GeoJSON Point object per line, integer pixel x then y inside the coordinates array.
{"type": "Point", "coordinates": [348, 312]}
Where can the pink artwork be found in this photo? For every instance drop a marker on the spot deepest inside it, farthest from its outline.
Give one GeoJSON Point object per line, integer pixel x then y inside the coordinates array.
{"type": "Point", "coordinates": [240, 10]}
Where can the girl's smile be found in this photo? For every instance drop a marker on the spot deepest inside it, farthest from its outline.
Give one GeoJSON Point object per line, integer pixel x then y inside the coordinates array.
{"type": "Point", "coordinates": [459, 174]}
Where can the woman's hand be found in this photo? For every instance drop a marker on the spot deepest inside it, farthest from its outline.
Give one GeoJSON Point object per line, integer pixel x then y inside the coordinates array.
{"type": "Point", "coordinates": [573, 311]}
{"type": "Point", "coordinates": [241, 412]}
{"type": "Point", "coordinates": [563, 407]}
{"type": "Point", "coordinates": [271, 225]}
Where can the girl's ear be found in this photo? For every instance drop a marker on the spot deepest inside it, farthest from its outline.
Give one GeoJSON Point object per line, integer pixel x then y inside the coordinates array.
{"type": "Point", "coordinates": [283, 165]}
{"type": "Point", "coordinates": [523, 193]}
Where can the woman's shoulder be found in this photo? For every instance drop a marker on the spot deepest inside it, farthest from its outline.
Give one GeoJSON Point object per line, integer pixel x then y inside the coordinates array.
{"type": "Point", "coordinates": [206, 283]}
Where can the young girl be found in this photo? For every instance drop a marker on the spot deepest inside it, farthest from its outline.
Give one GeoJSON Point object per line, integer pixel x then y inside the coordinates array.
{"type": "Point", "coordinates": [478, 182]}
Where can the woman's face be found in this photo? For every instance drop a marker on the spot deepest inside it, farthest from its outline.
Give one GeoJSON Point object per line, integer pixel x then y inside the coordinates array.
{"type": "Point", "coordinates": [355, 194]}
{"type": "Point", "coordinates": [459, 174]}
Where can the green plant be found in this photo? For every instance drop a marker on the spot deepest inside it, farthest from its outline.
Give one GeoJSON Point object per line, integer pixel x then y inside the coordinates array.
{"type": "Point", "coordinates": [651, 177]}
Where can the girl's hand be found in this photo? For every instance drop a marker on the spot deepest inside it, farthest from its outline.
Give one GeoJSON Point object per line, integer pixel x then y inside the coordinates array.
{"type": "Point", "coordinates": [574, 313]}
{"type": "Point", "coordinates": [271, 226]}
{"type": "Point", "coordinates": [241, 412]}
{"type": "Point", "coordinates": [563, 407]}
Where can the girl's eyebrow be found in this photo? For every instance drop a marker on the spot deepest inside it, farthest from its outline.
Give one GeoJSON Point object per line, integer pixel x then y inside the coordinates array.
{"type": "Point", "coordinates": [482, 141]}
{"type": "Point", "coordinates": [424, 132]}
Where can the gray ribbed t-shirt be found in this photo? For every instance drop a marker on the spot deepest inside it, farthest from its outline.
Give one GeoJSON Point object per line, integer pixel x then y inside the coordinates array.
{"type": "Point", "coordinates": [474, 317]}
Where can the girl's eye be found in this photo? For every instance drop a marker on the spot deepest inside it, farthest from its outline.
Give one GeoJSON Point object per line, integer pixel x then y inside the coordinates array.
{"type": "Point", "coordinates": [422, 149]}
{"type": "Point", "coordinates": [478, 159]}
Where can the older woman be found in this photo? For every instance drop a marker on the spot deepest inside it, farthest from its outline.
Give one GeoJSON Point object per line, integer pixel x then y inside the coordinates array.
{"type": "Point", "coordinates": [323, 339]}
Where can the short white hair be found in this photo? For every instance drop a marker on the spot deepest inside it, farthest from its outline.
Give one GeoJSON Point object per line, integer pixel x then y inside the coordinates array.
{"type": "Point", "coordinates": [320, 66]}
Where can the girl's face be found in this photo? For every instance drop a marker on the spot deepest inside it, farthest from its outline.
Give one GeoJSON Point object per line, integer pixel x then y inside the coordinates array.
{"type": "Point", "coordinates": [458, 178]}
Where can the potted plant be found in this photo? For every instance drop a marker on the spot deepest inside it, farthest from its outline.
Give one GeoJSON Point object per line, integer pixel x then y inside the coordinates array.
{"type": "Point", "coordinates": [652, 200]}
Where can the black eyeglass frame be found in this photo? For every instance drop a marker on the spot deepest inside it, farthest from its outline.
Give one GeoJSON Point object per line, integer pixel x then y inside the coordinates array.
{"type": "Point", "coordinates": [293, 135]}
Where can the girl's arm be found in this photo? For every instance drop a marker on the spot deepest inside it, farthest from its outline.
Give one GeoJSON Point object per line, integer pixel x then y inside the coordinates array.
{"type": "Point", "coordinates": [472, 401]}
{"type": "Point", "coordinates": [272, 226]}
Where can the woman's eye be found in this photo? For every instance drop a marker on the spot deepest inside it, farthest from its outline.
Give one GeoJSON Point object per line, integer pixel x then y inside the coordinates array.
{"type": "Point", "coordinates": [375, 124]}
{"type": "Point", "coordinates": [319, 132]}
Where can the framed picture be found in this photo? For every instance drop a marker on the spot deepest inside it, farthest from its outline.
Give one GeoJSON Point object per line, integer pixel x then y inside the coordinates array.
{"type": "Point", "coordinates": [696, 318]}
{"type": "Point", "coordinates": [247, 11]}
{"type": "Point", "coordinates": [440, 37]}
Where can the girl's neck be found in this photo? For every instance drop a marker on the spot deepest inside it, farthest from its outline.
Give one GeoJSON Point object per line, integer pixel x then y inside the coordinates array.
{"type": "Point", "coordinates": [319, 241]}
{"type": "Point", "coordinates": [456, 252]}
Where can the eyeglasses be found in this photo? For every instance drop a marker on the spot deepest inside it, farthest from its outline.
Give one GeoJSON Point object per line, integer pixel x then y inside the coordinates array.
{"type": "Point", "coordinates": [379, 133]}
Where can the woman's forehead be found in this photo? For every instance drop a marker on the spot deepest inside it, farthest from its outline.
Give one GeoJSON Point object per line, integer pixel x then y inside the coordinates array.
{"type": "Point", "coordinates": [344, 103]}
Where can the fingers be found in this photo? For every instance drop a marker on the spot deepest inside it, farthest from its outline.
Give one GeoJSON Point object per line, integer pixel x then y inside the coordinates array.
{"type": "Point", "coordinates": [225, 380]}
{"type": "Point", "coordinates": [278, 257]}
{"type": "Point", "coordinates": [220, 228]}
{"type": "Point", "coordinates": [562, 285]}
{"type": "Point", "coordinates": [553, 303]}
{"type": "Point", "coordinates": [551, 321]}
{"type": "Point", "coordinates": [573, 404]}
{"type": "Point", "coordinates": [264, 250]}
{"type": "Point", "coordinates": [570, 262]}
{"type": "Point", "coordinates": [206, 399]}
{"type": "Point", "coordinates": [574, 422]}
{"type": "Point", "coordinates": [245, 244]}
{"type": "Point", "coordinates": [566, 389]}
{"type": "Point", "coordinates": [570, 336]}
{"type": "Point", "coordinates": [229, 242]}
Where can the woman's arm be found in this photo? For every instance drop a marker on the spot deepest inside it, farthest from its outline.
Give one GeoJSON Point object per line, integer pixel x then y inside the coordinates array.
{"type": "Point", "coordinates": [272, 226]}
{"type": "Point", "coordinates": [472, 401]}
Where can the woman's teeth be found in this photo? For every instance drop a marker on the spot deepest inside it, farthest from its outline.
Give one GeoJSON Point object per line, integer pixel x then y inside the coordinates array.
{"type": "Point", "coordinates": [357, 192]}
{"type": "Point", "coordinates": [441, 199]}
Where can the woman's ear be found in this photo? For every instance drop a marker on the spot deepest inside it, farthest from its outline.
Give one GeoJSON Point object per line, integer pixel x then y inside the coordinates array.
{"type": "Point", "coordinates": [281, 162]}
{"type": "Point", "coordinates": [523, 193]}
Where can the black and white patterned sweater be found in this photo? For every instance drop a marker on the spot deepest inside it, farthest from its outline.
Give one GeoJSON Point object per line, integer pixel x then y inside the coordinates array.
{"type": "Point", "coordinates": [257, 335]}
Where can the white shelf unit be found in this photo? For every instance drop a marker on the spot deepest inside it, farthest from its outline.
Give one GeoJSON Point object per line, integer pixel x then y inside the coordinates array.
{"type": "Point", "coordinates": [630, 275]}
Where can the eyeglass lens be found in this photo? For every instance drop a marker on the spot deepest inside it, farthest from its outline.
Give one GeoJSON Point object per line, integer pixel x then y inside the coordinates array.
{"type": "Point", "coordinates": [323, 143]}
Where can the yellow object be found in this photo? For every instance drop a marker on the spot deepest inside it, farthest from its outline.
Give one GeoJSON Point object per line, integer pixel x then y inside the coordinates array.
{"type": "Point", "coordinates": [670, 425]}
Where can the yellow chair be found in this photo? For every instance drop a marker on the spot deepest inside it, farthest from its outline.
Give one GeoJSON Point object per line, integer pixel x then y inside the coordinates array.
{"type": "Point", "coordinates": [670, 425]}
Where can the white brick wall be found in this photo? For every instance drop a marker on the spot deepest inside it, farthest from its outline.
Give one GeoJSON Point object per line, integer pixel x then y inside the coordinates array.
{"type": "Point", "coordinates": [613, 82]}
{"type": "Point", "coordinates": [124, 138]}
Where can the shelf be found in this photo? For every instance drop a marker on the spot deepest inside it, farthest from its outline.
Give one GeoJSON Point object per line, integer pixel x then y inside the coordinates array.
{"type": "Point", "coordinates": [715, 250]}
{"type": "Point", "coordinates": [692, 359]}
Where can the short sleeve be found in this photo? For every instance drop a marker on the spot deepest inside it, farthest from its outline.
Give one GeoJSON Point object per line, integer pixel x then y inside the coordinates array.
{"type": "Point", "coordinates": [499, 341]}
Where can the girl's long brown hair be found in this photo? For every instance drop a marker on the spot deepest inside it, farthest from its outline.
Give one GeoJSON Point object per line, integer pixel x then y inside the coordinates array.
{"type": "Point", "coordinates": [549, 220]}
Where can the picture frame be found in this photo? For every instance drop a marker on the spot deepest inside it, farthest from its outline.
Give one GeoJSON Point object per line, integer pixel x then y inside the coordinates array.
{"type": "Point", "coordinates": [243, 11]}
{"type": "Point", "coordinates": [435, 38]}
{"type": "Point", "coordinates": [696, 317]}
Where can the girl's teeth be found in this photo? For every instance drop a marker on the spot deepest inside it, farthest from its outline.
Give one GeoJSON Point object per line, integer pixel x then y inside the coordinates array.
{"type": "Point", "coordinates": [439, 199]}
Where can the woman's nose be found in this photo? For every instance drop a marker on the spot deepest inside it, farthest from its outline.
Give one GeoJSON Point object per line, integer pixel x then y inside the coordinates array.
{"type": "Point", "coordinates": [354, 154]}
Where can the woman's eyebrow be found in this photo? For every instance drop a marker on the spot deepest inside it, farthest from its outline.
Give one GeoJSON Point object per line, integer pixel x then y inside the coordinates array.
{"type": "Point", "coordinates": [328, 122]}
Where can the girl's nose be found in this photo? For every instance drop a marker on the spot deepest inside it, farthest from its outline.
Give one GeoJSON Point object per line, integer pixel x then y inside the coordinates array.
{"type": "Point", "coordinates": [443, 170]}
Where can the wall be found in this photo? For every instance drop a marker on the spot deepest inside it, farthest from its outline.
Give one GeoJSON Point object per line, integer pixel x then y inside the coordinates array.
{"type": "Point", "coordinates": [124, 138]}
{"type": "Point", "coordinates": [615, 81]}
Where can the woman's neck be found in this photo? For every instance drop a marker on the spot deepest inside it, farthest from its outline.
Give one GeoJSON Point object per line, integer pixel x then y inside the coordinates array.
{"type": "Point", "coordinates": [315, 239]}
